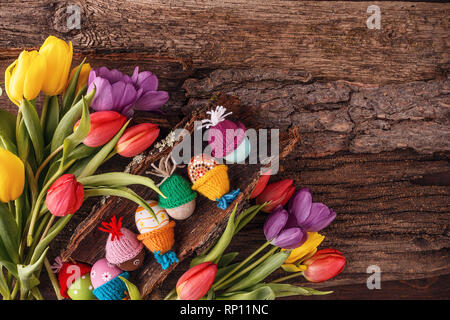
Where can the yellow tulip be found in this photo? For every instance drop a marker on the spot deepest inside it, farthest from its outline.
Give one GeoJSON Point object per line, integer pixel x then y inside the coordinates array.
{"type": "Point", "coordinates": [82, 79]}
{"type": "Point", "coordinates": [58, 55]}
{"type": "Point", "coordinates": [25, 76]}
{"type": "Point", "coordinates": [306, 250]}
{"type": "Point", "coordinates": [12, 176]}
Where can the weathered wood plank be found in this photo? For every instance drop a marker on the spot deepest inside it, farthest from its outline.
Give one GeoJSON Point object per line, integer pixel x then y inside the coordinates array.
{"type": "Point", "coordinates": [330, 39]}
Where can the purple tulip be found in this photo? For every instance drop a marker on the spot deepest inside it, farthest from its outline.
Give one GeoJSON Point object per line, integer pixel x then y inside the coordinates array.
{"type": "Point", "coordinates": [310, 216]}
{"type": "Point", "coordinates": [124, 94]}
{"type": "Point", "coordinates": [278, 231]}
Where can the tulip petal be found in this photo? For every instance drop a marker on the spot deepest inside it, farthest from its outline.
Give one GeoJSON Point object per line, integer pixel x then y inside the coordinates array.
{"type": "Point", "coordinates": [275, 223]}
{"type": "Point", "coordinates": [103, 99]}
{"type": "Point", "coordinates": [300, 205]}
{"type": "Point", "coordinates": [320, 217]}
{"type": "Point", "coordinates": [151, 100]}
{"type": "Point", "coordinates": [197, 281]}
{"type": "Point", "coordinates": [290, 267]}
{"type": "Point", "coordinates": [147, 81]}
{"type": "Point", "coordinates": [34, 80]}
{"type": "Point", "coordinates": [313, 240]}
{"type": "Point", "coordinates": [290, 238]}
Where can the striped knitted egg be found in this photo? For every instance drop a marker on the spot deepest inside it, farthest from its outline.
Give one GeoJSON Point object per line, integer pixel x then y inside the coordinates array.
{"type": "Point", "coordinates": [145, 221]}
{"type": "Point", "coordinates": [199, 165]}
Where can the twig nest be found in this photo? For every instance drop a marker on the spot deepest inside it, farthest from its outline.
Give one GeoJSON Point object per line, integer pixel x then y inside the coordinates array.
{"type": "Point", "coordinates": [123, 249]}
{"type": "Point", "coordinates": [157, 236]}
{"type": "Point", "coordinates": [106, 281]}
{"type": "Point", "coordinates": [211, 180]}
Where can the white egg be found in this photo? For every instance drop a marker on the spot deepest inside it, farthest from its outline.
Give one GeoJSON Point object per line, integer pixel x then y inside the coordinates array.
{"type": "Point", "coordinates": [240, 154]}
{"type": "Point", "coordinates": [145, 221]}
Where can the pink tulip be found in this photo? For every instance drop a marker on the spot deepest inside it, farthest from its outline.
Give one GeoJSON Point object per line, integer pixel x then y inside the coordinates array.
{"type": "Point", "coordinates": [104, 126]}
{"type": "Point", "coordinates": [137, 139]}
{"type": "Point", "coordinates": [65, 196]}
{"type": "Point", "coordinates": [197, 281]}
{"type": "Point", "coordinates": [324, 265]}
{"type": "Point", "coordinates": [278, 193]}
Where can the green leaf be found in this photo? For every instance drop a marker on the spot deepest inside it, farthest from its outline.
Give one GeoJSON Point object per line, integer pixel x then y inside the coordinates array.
{"type": "Point", "coordinates": [226, 259]}
{"type": "Point", "coordinates": [27, 276]}
{"type": "Point", "coordinates": [51, 119]}
{"type": "Point", "coordinates": [9, 233]}
{"type": "Point", "coordinates": [262, 293]}
{"type": "Point", "coordinates": [118, 179]}
{"type": "Point", "coordinates": [34, 128]}
{"type": "Point", "coordinates": [23, 141]}
{"type": "Point", "coordinates": [82, 92]}
{"type": "Point", "coordinates": [8, 125]}
{"type": "Point", "coordinates": [70, 91]}
{"type": "Point", "coordinates": [65, 126]}
{"type": "Point", "coordinates": [262, 271]}
{"type": "Point", "coordinates": [7, 144]}
{"type": "Point", "coordinates": [216, 252]}
{"type": "Point", "coordinates": [288, 290]}
{"type": "Point", "coordinates": [98, 159]}
{"type": "Point", "coordinates": [133, 291]}
{"type": "Point", "coordinates": [247, 216]}
{"type": "Point", "coordinates": [79, 135]}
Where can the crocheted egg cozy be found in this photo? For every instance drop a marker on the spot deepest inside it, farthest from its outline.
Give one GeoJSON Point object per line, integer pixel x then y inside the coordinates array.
{"type": "Point", "coordinates": [177, 190]}
{"type": "Point", "coordinates": [215, 185]}
{"type": "Point", "coordinates": [224, 136]}
{"type": "Point", "coordinates": [114, 289]}
{"type": "Point", "coordinates": [68, 272]}
{"type": "Point", "coordinates": [122, 244]}
{"type": "Point", "coordinates": [160, 241]}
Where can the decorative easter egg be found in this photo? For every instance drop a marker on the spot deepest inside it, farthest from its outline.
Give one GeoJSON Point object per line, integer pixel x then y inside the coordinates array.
{"type": "Point", "coordinates": [240, 154]}
{"type": "Point", "coordinates": [133, 264]}
{"type": "Point", "coordinates": [199, 165]}
{"type": "Point", "coordinates": [145, 222]}
{"type": "Point", "coordinates": [102, 272]}
{"type": "Point", "coordinates": [81, 289]}
{"type": "Point", "coordinates": [182, 212]}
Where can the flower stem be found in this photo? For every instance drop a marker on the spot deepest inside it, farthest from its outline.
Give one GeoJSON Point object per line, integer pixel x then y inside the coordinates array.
{"type": "Point", "coordinates": [294, 275]}
{"type": "Point", "coordinates": [250, 267]}
{"type": "Point", "coordinates": [53, 279]}
{"type": "Point", "coordinates": [240, 265]}
{"type": "Point", "coordinates": [46, 161]}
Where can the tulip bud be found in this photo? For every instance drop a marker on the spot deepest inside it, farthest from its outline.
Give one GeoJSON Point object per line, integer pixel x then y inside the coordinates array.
{"type": "Point", "coordinates": [104, 126]}
{"type": "Point", "coordinates": [324, 265]}
{"type": "Point", "coordinates": [278, 193]}
{"type": "Point", "coordinates": [137, 139]}
{"type": "Point", "coordinates": [12, 176]}
{"type": "Point", "coordinates": [24, 77]}
{"type": "Point", "coordinates": [65, 196]}
{"type": "Point", "coordinates": [82, 79]}
{"type": "Point", "coordinates": [197, 281]}
{"type": "Point", "coordinates": [58, 55]}
{"type": "Point", "coordinates": [261, 184]}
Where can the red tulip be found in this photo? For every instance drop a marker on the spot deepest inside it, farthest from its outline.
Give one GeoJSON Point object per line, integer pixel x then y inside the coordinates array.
{"type": "Point", "coordinates": [261, 184]}
{"type": "Point", "coordinates": [197, 281]}
{"type": "Point", "coordinates": [137, 139]}
{"type": "Point", "coordinates": [278, 193]}
{"type": "Point", "coordinates": [324, 265]}
{"type": "Point", "coordinates": [65, 196]}
{"type": "Point", "coordinates": [104, 126]}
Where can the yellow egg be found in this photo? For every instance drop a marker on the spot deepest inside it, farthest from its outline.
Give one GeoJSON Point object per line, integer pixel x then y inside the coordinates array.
{"type": "Point", "coordinates": [145, 221]}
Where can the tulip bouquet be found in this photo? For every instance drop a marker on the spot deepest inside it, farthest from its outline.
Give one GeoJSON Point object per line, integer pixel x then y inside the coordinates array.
{"type": "Point", "coordinates": [293, 238]}
{"type": "Point", "coordinates": [48, 161]}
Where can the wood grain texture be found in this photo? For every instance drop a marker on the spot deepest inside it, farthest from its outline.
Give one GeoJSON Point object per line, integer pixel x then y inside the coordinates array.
{"type": "Point", "coordinates": [329, 38]}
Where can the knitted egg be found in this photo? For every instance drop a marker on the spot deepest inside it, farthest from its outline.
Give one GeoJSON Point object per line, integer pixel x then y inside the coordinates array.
{"type": "Point", "coordinates": [158, 238]}
{"type": "Point", "coordinates": [73, 278]}
{"type": "Point", "coordinates": [82, 289]}
{"type": "Point", "coordinates": [226, 137]}
{"type": "Point", "coordinates": [106, 281]}
{"type": "Point", "coordinates": [211, 180]}
{"type": "Point", "coordinates": [123, 249]}
{"type": "Point", "coordinates": [179, 200]}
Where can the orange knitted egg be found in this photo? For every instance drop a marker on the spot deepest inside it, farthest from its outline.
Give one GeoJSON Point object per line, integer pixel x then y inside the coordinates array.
{"type": "Point", "coordinates": [199, 165]}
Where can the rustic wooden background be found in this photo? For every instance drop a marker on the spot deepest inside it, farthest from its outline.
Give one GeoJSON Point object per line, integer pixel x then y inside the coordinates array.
{"type": "Point", "coordinates": [372, 107]}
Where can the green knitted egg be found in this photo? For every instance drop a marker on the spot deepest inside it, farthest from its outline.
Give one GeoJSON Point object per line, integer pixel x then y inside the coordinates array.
{"type": "Point", "coordinates": [178, 192]}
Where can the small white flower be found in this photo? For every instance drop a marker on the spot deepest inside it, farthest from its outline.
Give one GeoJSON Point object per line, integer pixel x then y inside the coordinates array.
{"type": "Point", "coordinates": [106, 276]}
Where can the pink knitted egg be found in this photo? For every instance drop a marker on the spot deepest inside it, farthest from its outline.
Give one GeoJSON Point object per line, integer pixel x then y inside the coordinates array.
{"type": "Point", "coordinates": [102, 272]}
